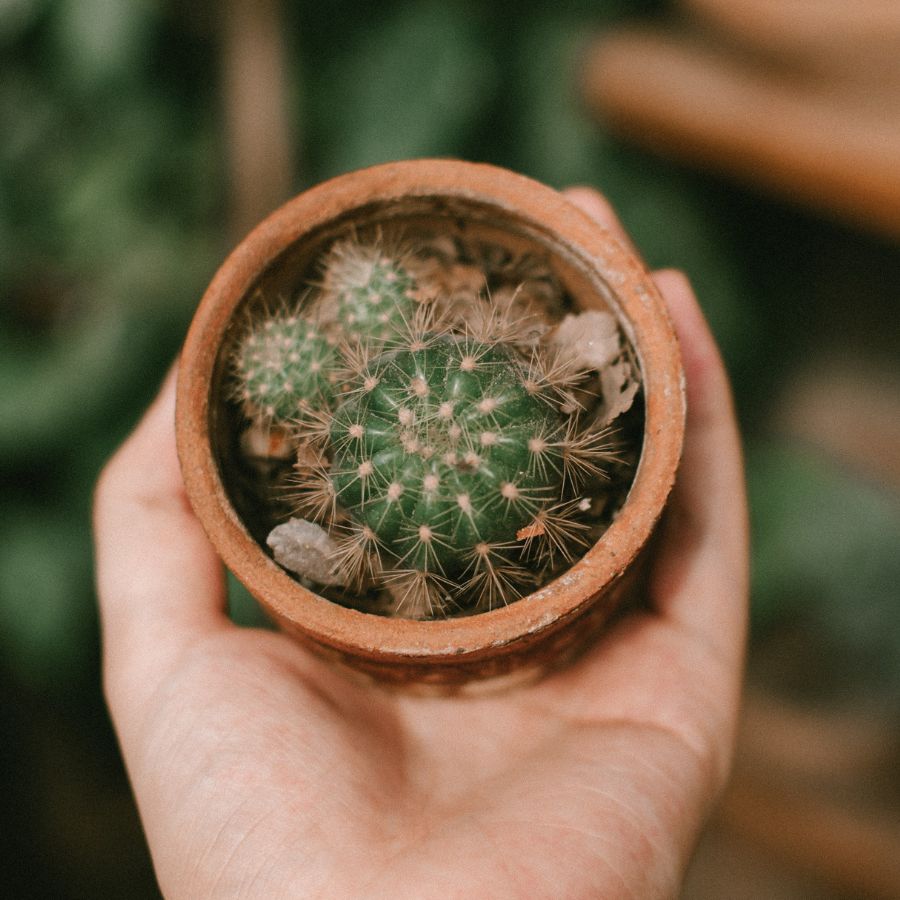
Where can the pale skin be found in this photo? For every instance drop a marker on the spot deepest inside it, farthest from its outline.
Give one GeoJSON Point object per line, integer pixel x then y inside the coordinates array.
{"type": "Point", "coordinates": [260, 771]}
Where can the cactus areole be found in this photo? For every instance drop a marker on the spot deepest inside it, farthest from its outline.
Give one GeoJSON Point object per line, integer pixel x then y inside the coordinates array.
{"type": "Point", "coordinates": [429, 413]}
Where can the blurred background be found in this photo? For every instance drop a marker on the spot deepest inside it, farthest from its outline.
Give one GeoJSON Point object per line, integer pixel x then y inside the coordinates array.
{"type": "Point", "coordinates": [752, 143]}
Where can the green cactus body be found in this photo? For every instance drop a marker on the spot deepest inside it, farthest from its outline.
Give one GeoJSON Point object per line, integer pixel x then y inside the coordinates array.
{"type": "Point", "coordinates": [444, 452]}
{"type": "Point", "coordinates": [375, 292]}
{"type": "Point", "coordinates": [284, 366]}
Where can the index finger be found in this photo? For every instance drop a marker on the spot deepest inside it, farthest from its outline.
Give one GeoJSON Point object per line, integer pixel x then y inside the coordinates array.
{"type": "Point", "coordinates": [701, 577]}
{"type": "Point", "coordinates": [701, 573]}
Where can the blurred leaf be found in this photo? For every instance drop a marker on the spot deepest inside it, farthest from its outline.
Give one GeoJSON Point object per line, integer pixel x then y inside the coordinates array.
{"type": "Point", "coordinates": [46, 615]}
{"type": "Point", "coordinates": [825, 550]}
{"type": "Point", "coordinates": [103, 40]}
{"type": "Point", "coordinates": [555, 141]}
{"type": "Point", "coordinates": [242, 608]}
{"type": "Point", "coordinates": [407, 85]}
{"type": "Point", "coordinates": [16, 16]}
{"type": "Point", "coordinates": [675, 228]}
{"type": "Point", "coordinates": [49, 397]}
{"type": "Point", "coordinates": [29, 116]}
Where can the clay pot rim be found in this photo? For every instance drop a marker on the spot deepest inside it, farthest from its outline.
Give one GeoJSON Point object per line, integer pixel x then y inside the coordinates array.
{"type": "Point", "coordinates": [592, 250]}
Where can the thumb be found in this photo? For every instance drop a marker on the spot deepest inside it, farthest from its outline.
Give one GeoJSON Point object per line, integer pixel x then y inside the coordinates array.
{"type": "Point", "coordinates": [160, 584]}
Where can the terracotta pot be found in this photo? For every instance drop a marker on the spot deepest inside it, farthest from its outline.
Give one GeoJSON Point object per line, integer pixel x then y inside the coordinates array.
{"type": "Point", "coordinates": [542, 630]}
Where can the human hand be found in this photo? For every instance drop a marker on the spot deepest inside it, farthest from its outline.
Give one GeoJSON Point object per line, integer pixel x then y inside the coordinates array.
{"type": "Point", "coordinates": [260, 771]}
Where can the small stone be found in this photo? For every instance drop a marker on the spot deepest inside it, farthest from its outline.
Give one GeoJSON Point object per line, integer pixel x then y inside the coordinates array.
{"type": "Point", "coordinates": [306, 549]}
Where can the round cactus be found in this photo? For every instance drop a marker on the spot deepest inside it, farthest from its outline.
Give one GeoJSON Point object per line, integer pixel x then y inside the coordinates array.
{"type": "Point", "coordinates": [370, 290]}
{"type": "Point", "coordinates": [445, 451]}
{"type": "Point", "coordinates": [283, 366]}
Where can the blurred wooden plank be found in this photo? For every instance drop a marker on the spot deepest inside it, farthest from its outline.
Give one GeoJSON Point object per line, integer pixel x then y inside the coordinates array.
{"type": "Point", "coordinates": [851, 411]}
{"type": "Point", "coordinates": [820, 748]}
{"type": "Point", "coordinates": [845, 850]}
{"type": "Point", "coordinates": [802, 27]}
{"type": "Point", "coordinates": [260, 144]}
{"type": "Point", "coordinates": [812, 144]}
{"type": "Point", "coordinates": [726, 866]}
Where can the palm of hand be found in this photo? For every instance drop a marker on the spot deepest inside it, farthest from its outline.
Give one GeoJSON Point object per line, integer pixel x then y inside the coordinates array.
{"type": "Point", "coordinates": [282, 776]}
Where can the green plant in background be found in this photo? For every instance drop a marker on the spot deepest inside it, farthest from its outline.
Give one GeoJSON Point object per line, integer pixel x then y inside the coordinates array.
{"type": "Point", "coordinates": [111, 198]}
{"type": "Point", "coordinates": [110, 187]}
{"type": "Point", "coordinates": [825, 556]}
{"type": "Point", "coordinates": [415, 80]}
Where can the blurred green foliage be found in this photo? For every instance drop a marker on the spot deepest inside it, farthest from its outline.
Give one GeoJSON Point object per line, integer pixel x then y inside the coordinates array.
{"type": "Point", "coordinates": [111, 185]}
{"type": "Point", "coordinates": [411, 84]}
{"type": "Point", "coordinates": [825, 553]}
{"type": "Point", "coordinates": [113, 198]}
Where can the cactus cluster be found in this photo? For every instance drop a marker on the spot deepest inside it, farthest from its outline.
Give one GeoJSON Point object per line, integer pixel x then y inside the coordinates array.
{"type": "Point", "coordinates": [369, 289]}
{"type": "Point", "coordinates": [450, 446]}
{"type": "Point", "coordinates": [284, 366]}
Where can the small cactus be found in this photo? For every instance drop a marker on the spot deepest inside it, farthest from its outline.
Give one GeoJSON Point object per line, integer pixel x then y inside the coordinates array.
{"type": "Point", "coordinates": [371, 290]}
{"type": "Point", "coordinates": [283, 367]}
{"type": "Point", "coordinates": [444, 452]}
